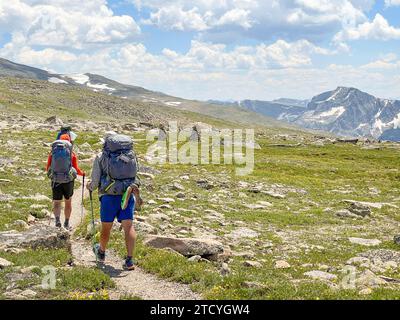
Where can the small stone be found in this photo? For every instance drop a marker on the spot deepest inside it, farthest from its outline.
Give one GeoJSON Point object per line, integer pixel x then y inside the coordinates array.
{"type": "Point", "coordinates": [225, 270]}
{"type": "Point", "coordinates": [180, 195]}
{"type": "Point", "coordinates": [167, 200]}
{"type": "Point", "coordinates": [195, 258]}
{"type": "Point", "coordinates": [396, 240]}
{"type": "Point", "coordinates": [281, 264]}
{"type": "Point", "coordinates": [365, 292]}
{"type": "Point", "coordinates": [28, 293]}
{"type": "Point", "coordinates": [178, 187]}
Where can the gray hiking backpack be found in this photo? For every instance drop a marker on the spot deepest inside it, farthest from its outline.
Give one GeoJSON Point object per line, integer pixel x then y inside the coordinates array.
{"type": "Point", "coordinates": [61, 170]}
{"type": "Point", "coordinates": [119, 164]}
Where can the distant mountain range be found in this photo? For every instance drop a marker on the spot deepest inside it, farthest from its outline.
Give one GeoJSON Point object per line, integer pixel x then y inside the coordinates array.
{"type": "Point", "coordinates": [343, 111]}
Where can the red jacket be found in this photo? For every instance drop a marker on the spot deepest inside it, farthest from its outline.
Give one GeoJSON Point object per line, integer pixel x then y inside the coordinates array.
{"type": "Point", "coordinates": [74, 164]}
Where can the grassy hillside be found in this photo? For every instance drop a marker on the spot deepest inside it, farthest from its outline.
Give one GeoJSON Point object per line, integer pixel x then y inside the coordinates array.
{"type": "Point", "coordinates": [277, 224]}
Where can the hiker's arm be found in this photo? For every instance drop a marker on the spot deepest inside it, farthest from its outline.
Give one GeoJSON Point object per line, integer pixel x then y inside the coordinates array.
{"type": "Point", "coordinates": [75, 165]}
{"type": "Point", "coordinates": [48, 162]}
{"type": "Point", "coordinates": [96, 175]}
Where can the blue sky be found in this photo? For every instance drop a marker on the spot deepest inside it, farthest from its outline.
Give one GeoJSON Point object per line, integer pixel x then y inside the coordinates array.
{"type": "Point", "coordinates": [222, 49]}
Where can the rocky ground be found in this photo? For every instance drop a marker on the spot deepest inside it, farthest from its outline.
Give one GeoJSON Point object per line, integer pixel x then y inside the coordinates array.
{"type": "Point", "coordinates": [315, 220]}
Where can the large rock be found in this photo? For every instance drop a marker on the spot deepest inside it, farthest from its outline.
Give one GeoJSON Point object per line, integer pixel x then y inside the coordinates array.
{"type": "Point", "coordinates": [186, 246]}
{"type": "Point", "coordinates": [38, 236]}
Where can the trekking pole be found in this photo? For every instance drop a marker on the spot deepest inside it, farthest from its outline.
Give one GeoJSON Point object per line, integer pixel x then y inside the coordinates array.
{"type": "Point", "coordinates": [83, 196]}
{"type": "Point", "coordinates": [93, 226]}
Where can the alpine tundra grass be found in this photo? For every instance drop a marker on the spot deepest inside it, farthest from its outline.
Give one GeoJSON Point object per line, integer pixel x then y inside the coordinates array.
{"type": "Point", "coordinates": [278, 225]}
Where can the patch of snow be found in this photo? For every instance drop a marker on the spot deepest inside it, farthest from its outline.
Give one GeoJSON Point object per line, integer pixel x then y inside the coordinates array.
{"type": "Point", "coordinates": [337, 112]}
{"type": "Point", "coordinates": [79, 78]}
{"type": "Point", "coordinates": [100, 86]}
{"type": "Point", "coordinates": [56, 80]}
{"type": "Point", "coordinates": [173, 103]}
{"type": "Point", "coordinates": [333, 97]}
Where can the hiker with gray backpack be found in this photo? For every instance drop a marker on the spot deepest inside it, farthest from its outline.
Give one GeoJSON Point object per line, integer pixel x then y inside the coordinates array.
{"type": "Point", "coordinates": [62, 168]}
{"type": "Point", "coordinates": [114, 175]}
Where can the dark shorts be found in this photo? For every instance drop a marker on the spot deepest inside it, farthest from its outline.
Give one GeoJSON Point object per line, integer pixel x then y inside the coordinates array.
{"type": "Point", "coordinates": [111, 208]}
{"type": "Point", "coordinates": [63, 190]}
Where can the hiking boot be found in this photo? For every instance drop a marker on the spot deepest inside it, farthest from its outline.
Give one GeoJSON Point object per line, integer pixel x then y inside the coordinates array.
{"type": "Point", "coordinates": [129, 264]}
{"type": "Point", "coordinates": [67, 226]}
{"type": "Point", "coordinates": [101, 256]}
{"type": "Point", "coordinates": [58, 223]}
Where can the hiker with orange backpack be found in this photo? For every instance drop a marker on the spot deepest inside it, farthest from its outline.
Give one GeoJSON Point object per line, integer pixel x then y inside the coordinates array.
{"type": "Point", "coordinates": [62, 168]}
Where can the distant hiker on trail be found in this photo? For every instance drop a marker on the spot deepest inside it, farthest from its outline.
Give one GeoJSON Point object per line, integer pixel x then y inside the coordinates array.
{"type": "Point", "coordinates": [67, 129]}
{"type": "Point", "coordinates": [114, 174]}
{"type": "Point", "coordinates": [62, 168]}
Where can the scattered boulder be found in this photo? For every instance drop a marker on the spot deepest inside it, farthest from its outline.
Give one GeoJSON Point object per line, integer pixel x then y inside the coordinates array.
{"type": "Point", "coordinates": [54, 120]}
{"type": "Point", "coordinates": [177, 187]}
{"type": "Point", "coordinates": [346, 214]}
{"type": "Point", "coordinates": [356, 261]}
{"type": "Point", "coordinates": [205, 184]}
{"type": "Point", "coordinates": [360, 209]}
{"type": "Point", "coordinates": [368, 279]}
{"type": "Point", "coordinates": [186, 246]}
{"type": "Point", "coordinates": [281, 264]}
{"type": "Point", "coordinates": [320, 275]}
{"type": "Point", "coordinates": [365, 242]}
{"type": "Point", "coordinates": [252, 264]}
{"type": "Point", "coordinates": [143, 228]}
{"type": "Point", "coordinates": [243, 233]}
{"type": "Point", "coordinates": [37, 236]}
{"type": "Point", "coordinates": [396, 240]}
{"type": "Point", "coordinates": [365, 292]}
{"type": "Point", "coordinates": [20, 224]}
{"type": "Point", "coordinates": [194, 258]}
{"type": "Point", "coordinates": [225, 270]}
{"type": "Point", "coordinates": [5, 263]}
{"type": "Point", "coordinates": [384, 255]}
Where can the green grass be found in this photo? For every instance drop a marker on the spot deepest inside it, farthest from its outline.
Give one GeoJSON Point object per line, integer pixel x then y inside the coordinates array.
{"type": "Point", "coordinates": [300, 229]}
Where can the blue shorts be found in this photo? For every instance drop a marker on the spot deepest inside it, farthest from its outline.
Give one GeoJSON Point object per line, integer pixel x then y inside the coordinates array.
{"type": "Point", "coordinates": [110, 208]}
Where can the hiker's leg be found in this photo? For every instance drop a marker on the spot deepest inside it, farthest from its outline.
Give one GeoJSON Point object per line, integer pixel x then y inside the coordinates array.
{"type": "Point", "coordinates": [130, 236]}
{"type": "Point", "coordinates": [105, 235]}
{"type": "Point", "coordinates": [57, 208]}
{"type": "Point", "coordinates": [68, 209]}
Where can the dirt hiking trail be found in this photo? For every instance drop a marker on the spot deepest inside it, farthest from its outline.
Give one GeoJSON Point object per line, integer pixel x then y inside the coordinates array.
{"type": "Point", "coordinates": [137, 283]}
